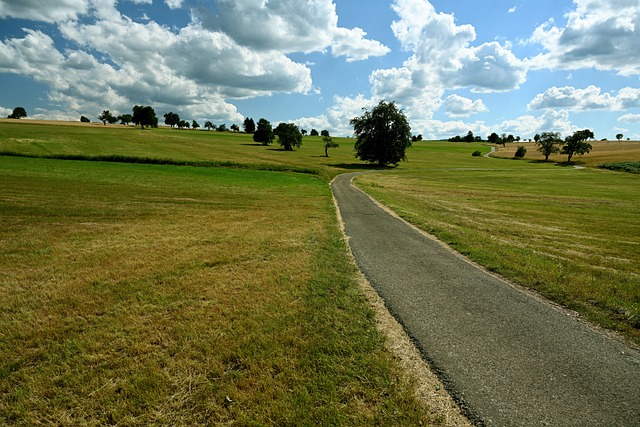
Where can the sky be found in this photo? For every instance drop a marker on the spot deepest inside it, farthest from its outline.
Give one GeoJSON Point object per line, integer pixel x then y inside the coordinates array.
{"type": "Point", "coordinates": [453, 66]}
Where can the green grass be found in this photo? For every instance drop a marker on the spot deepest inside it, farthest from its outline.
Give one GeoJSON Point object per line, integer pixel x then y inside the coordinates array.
{"type": "Point", "coordinates": [572, 235]}
{"type": "Point", "coordinates": [172, 295]}
{"type": "Point", "coordinates": [172, 145]}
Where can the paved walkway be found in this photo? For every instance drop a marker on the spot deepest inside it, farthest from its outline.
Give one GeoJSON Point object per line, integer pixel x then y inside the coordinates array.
{"type": "Point", "coordinates": [509, 358]}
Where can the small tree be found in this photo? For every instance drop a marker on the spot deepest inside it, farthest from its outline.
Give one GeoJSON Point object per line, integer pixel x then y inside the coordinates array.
{"type": "Point", "coordinates": [209, 125]}
{"type": "Point", "coordinates": [520, 152]}
{"type": "Point", "coordinates": [18, 113]}
{"type": "Point", "coordinates": [328, 143]}
{"type": "Point", "coordinates": [469, 137]}
{"type": "Point", "coordinates": [383, 135]}
{"type": "Point", "coordinates": [222, 128]}
{"type": "Point", "coordinates": [577, 143]}
{"type": "Point", "coordinates": [235, 128]}
{"type": "Point", "coordinates": [264, 132]}
{"type": "Point", "coordinates": [172, 119]}
{"type": "Point", "coordinates": [324, 133]}
{"type": "Point", "coordinates": [107, 117]}
{"type": "Point", "coordinates": [619, 137]}
{"type": "Point", "coordinates": [289, 136]}
{"type": "Point", "coordinates": [314, 133]}
{"type": "Point", "coordinates": [494, 138]}
{"type": "Point", "coordinates": [84, 119]}
{"type": "Point", "coordinates": [548, 143]}
{"type": "Point", "coordinates": [125, 119]}
{"type": "Point", "coordinates": [195, 125]}
{"type": "Point", "coordinates": [144, 116]}
{"type": "Point", "coordinates": [249, 125]}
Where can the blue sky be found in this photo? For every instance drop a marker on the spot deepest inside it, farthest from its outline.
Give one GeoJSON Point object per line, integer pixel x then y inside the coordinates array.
{"type": "Point", "coordinates": [507, 66]}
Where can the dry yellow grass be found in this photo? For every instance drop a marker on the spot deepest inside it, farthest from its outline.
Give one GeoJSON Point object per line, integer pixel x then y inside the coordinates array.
{"type": "Point", "coordinates": [603, 152]}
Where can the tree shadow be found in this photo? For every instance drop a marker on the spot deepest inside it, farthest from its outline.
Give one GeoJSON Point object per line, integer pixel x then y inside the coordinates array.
{"type": "Point", "coordinates": [252, 145]}
{"type": "Point", "coordinates": [360, 166]}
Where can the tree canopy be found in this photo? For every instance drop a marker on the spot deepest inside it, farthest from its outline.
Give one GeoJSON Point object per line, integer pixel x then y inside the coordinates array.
{"type": "Point", "coordinates": [577, 143]}
{"type": "Point", "coordinates": [171, 119]}
{"type": "Point", "coordinates": [107, 117]}
{"type": "Point", "coordinates": [144, 116]}
{"type": "Point", "coordinates": [249, 125]}
{"type": "Point", "coordinates": [383, 135]}
{"type": "Point", "coordinates": [18, 113]}
{"type": "Point", "coordinates": [328, 143]}
{"type": "Point", "coordinates": [264, 132]}
{"type": "Point", "coordinates": [289, 136]}
{"type": "Point", "coordinates": [548, 143]}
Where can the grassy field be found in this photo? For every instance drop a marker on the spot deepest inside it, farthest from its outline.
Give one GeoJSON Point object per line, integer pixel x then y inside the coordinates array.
{"type": "Point", "coordinates": [572, 235]}
{"type": "Point", "coordinates": [163, 295]}
{"type": "Point", "coordinates": [155, 294]}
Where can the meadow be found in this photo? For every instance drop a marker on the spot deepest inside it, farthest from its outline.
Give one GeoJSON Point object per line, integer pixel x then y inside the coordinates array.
{"type": "Point", "coordinates": [572, 235]}
{"type": "Point", "coordinates": [180, 294]}
{"type": "Point", "coordinates": [135, 294]}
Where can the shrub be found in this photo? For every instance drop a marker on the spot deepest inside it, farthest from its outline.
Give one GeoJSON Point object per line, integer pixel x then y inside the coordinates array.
{"type": "Point", "coordinates": [476, 153]}
{"type": "Point", "coordinates": [520, 152]}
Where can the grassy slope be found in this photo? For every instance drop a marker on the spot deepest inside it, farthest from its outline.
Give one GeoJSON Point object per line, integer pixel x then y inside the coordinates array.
{"type": "Point", "coordinates": [144, 294]}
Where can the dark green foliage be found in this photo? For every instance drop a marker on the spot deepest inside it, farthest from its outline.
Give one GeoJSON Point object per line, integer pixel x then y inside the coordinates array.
{"type": "Point", "coordinates": [171, 119]}
{"type": "Point", "coordinates": [195, 125]}
{"type": "Point", "coordinates": [324, 133]}
{"type": "Point", "coordinates": [125, 119]}
{"type": "Point", "coordinates": [107, 117]}
{"type": "Point", "coordinates": [289, 136]}
{"type": "Point", "coordinates": [520, 152]}
{"type": "Point", "coordinates": [383, 135]}
{"type": "Point", "coordinates": [144, 116]}
{"type": "Point", "coordinates": [249, 125]}
{"type": "Point", "coordinates": [631, 167]}
{"type": "Point", "coordinates": [577, 143]}
{"type": "Point", "coordinates": [83, 119]}
{"type": "Point", "coordinates": [548, 143]}
{"type": "Point", "coordinates": [18, 113]}
{"type": "Point", "coordinates": [222, 128]}
{"type": "Point", "coordinates": [494, 138]}
{"type": "Point", "coordinates": [476, 153]}
{"type": "Point", "coordinates": [328, 143]}
{"type": "Point", "coordinates": [264, 132]}
{"type": "Point", "coordinates": [314, 133]}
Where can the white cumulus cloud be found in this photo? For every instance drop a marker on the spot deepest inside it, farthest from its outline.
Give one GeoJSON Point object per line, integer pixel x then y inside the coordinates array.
{"type": "Point", "coordinates": [459, 106]}
{"type": "Point", "coordinates": [589, 98]}
{"type": "Point", "coordinates": [600, 34]}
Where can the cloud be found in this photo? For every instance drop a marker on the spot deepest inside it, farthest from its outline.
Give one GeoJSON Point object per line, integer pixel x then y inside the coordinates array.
{"type": "Point", "coordinates": [630, 118]}
{"type": "Point", "coordinates": [458, 106]}
{"type": "Point", "coordinates": [442, 58]}
{"type": "Point", "coordinates": [288, 26]}
{"type": "Point", "coordinates": [600, 34]}
{"type": "Point", "coordinates": [590, 98]}
{"type": "Point", "coordinates": [527, 126]}
{"type": "Point", "coordinates": [512, 9]}
{"type": "Point", "coordinates": [48, 11]}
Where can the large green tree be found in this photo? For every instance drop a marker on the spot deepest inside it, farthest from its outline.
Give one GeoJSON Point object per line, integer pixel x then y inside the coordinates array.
{"type": "Point", "coordinates": [383, 135]}
{"type": "Point", "coordinates": [249, 125]}
{"type": "Point", "coordinates": [577, 143]}
{"type": "Point", "coordinates": [264, 132]}
{"type": "Point", "coordinates": [107, 117]}
{"type": "Point", "coordinates": [548, 143]}
{"type": "Point", "coordinates": [289, 136]}
{"type": "Point", "coordinates": [171, 119]}
{"type": "Point", "coordinates": [144, 116]}
{"type": "Point", "coordinates": [18, 113]}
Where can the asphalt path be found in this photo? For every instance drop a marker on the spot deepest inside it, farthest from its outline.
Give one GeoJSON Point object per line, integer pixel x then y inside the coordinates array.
{"type": "Point", "coordinates": [508, 357]}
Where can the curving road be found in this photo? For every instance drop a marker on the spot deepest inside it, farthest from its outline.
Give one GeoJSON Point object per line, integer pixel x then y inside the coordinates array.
{"type": "Point", "coordinates": [507, 357]}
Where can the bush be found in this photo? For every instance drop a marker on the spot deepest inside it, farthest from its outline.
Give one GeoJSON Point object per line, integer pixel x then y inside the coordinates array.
{"type": "Point", "coordinates": [476, 153]}
{"type": "Point", "coordinates": [520, 152]}
{"type": "Point", "coordinates": [83, 119]}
